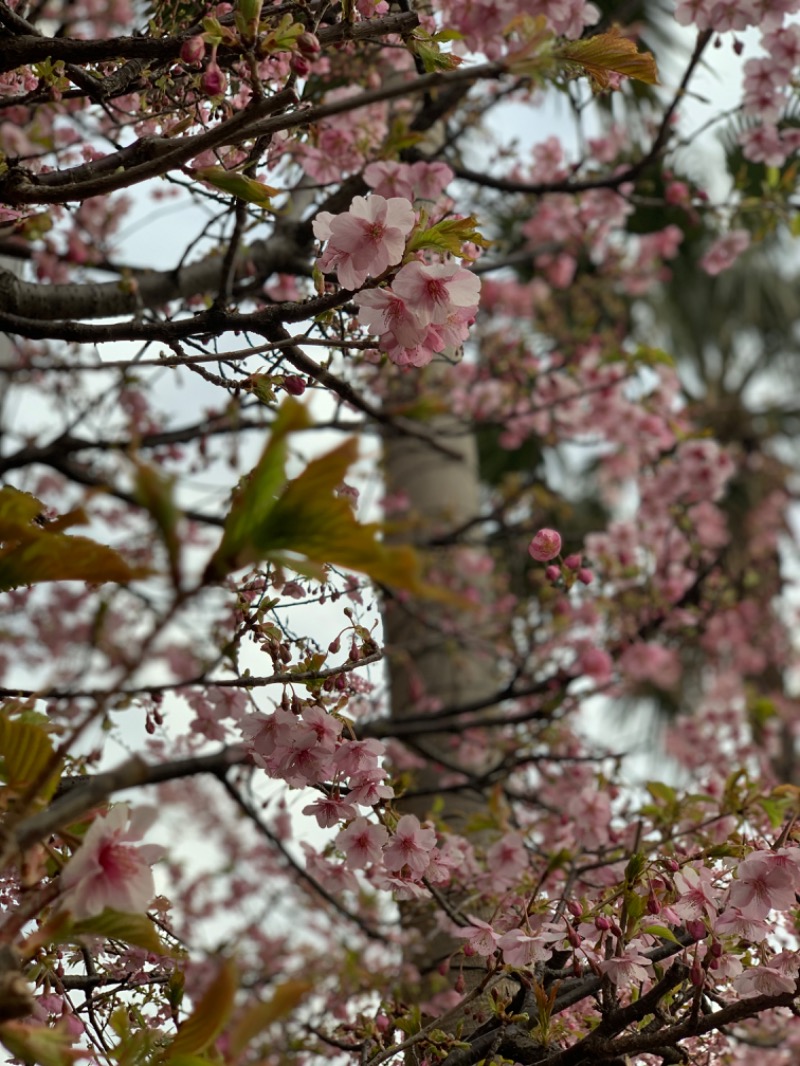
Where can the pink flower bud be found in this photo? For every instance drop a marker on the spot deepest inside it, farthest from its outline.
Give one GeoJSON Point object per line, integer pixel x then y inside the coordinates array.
{"type": "Point", "coordinates": [300, 66]}
{"type": "Point", "coordinates": [213, 81]}
{"type": "Point", "coordinates": [294, 384]}
{"type": "Point", "coordinates": [574, 907]}
{"type": "Point", "coordinates": [553, 573]}
{"type": "Point", "coordinates": [585, 576]}
{"type": "Point", "coordinates": [696, 929]}
{"type": "Point", "coordinates": [308, 44]}
{"type": "Point", "coordinates": [192, 50]}
{"type": "Point", "coordinates": [573, 562]}
{"type": "Point", "coordinates": [696, 975]}
{"type": "Point", "coordinates": [601, 922]}
{"type": "Point", "coordinates": [653, 904]}
{"type": "Point", "coordinates": [545, 545]}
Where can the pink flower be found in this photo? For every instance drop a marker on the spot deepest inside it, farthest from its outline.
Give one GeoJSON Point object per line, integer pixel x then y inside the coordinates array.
{"type": "Point", "coordinates": [762, 883]}
{"type": "Point", "coordinates": [361, 842]}
{"type": "Point", "coordinates": [626, 968]}
{"type": "Point", "coordinates": [724, 252]}
{"type": "Point", "coordinates": [479, 935]}
{"type": "Point", "coordinates": [106, 870]}
{"type": "Point", "coordinates": [519, 949]}
{"type": "Point", "coordinates": [410, 846]}
{"type": "Point", "coordinates": [435, 291]}
{"type": "Point", "coordinates": [365, 240]}
{"type": "Point", "coordinates": [392, 318]}
{"type": "Point", "coordinates": [764, 981]}
{"type": "Point", "coordinates": [545, 545]}
{"type": "Point", "coordinates": [330, 810]}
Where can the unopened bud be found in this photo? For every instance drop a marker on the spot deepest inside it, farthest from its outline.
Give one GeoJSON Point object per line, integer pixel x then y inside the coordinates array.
{"type": "Point", "coordinates": [192, 50]}
{"type": "Point", "coordinates": [294, 384]}
{"type": "Point", "coordinates": [585, 576]}
{"type": "Point", "coordinates": [308, 44]}
{"type": "Point", "coordinates": [696, 929]}
{"type": "Point", "coordinates": [213, 81]}
{"type": "Point", "coordinates": [300, 66]}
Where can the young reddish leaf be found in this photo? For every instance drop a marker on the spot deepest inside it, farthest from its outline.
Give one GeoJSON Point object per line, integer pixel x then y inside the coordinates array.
{"type": "Point", "coordinates": [258, 1016]}
{"type": "Point", "coordinates": [610, 53]}
{"type": "Point", "coordinates": [206, 1021]}
{"type": "Point", "coordinates": [238, 185]}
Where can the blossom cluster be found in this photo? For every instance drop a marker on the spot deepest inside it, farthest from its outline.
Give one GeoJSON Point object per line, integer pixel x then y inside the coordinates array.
{"type": "Point", "coordinates": [428, 307]}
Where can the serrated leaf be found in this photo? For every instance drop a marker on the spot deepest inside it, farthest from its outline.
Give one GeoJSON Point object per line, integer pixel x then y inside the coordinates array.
{"type": "Point", "coordinates": [238, 185]}
{"type": "Point", "coordinates": [610, 53]}
{"type": "Point", "coordinates": [39, 1044]}
{"type": "Point", "coordinates": [449, 236]}
{"type": "Point", "coordinates": [422, 44]}
{"type": "Point", "coordinates": [256, 494]}
{"type": "Point", "coordinates": [136, 929]}
{"type": "Point", "coordinates": [207, 1020]}
{"type": "Point", "coordinates": [259, 1016]}
{"type": "Point", "coordinates": [25, 749]}
{"type": "Point", "coordinates": [660, 931]}
{"type": "Point", "coordinates": [303, 523]}
{"type": "Point", "coordinates": [32, 551]}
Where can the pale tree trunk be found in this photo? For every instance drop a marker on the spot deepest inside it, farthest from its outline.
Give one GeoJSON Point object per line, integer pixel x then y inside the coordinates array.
{"type": "Point", "coordinates": [440, 655]}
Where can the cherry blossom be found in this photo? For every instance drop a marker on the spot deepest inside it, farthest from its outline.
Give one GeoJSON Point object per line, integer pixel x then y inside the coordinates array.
{"type": "Point", "coordinates": [410, 846]}
{"type": "Point", "coordinates": [764, 883]}
{"type": "Point", "coordinates": [361, 841]}
{"type": "Point", "coordinates": [628, 967]}
{"type": "Point", "coordinates": [365, 240]}
{"type": "Point", "coordinates": [109, 869]}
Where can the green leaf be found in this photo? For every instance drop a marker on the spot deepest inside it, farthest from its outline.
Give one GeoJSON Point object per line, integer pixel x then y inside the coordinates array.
{"type": "Point", "coordinates": [25, 749]}
{"type": "Point", "coordinates": [207, 1020]}
{"type": "Point", "coordinates": [660, 931]}
{"type": "Point", "coordinates": [303, 523]}
{"type": "Point", "coordinates": [154, 492]}
{"type": "Point", "coordinates": [136, 929]}
{"type": "Point", "coordinates": [32, 550]}
{"type": "Point", "coordinates": [422, 44]}
{"type": "Point", "coordinates": [238, 185]}
{"type": "Point", "coordinates": [659, 791]}
{"type": "Point", "coordinates": [610, 53]}
{"type": "Point", "coordinates": [449, 235]}
{"type": "Point", "coordinates": [259, 1016]}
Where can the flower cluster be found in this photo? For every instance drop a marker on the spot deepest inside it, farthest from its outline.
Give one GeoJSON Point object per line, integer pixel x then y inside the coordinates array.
{"type": "Point", "coordinates": [427, 309]}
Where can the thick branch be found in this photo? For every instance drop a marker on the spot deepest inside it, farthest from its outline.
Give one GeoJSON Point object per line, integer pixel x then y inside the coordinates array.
{"type": "Point", "coordinates": [28, 47]}
{"type": "Point", "coordinates": [131, 774]}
